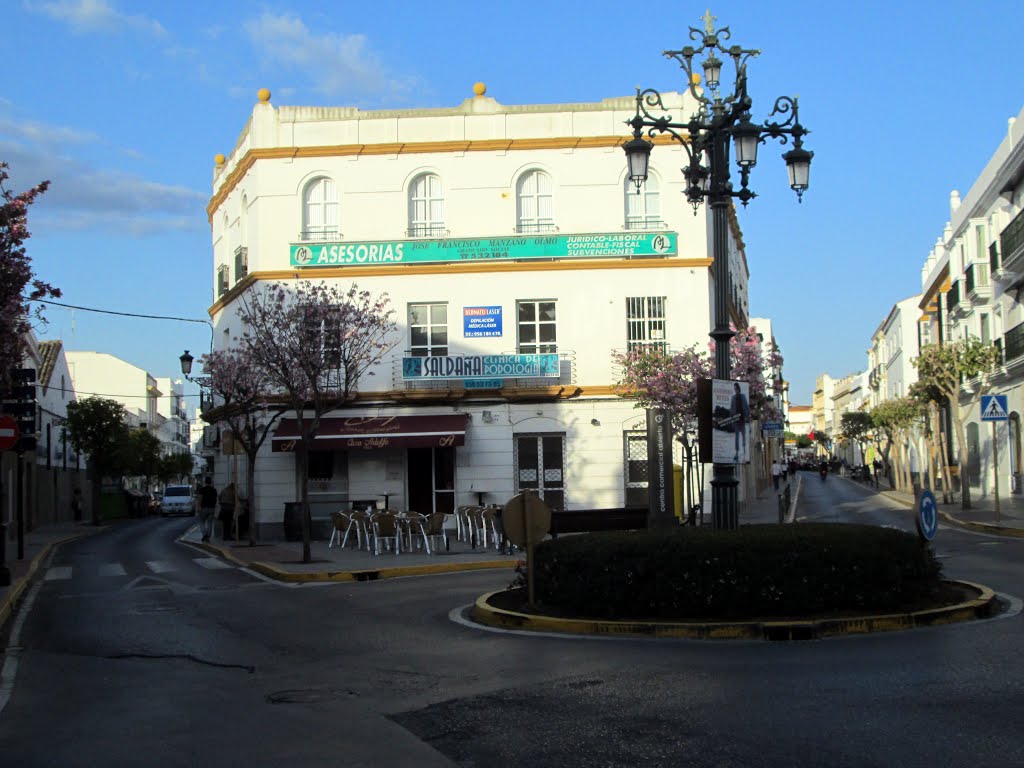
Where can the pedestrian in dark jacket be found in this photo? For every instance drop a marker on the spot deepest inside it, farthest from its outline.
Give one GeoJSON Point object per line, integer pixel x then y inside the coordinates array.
{"type": "Point", "coordinates": [207, 508]}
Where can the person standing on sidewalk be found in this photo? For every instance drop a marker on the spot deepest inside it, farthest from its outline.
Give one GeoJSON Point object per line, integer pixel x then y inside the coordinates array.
{"type": "Point", "coordinates": [207, 508]}
{"type": "Point", "coordinates": [776, 473]}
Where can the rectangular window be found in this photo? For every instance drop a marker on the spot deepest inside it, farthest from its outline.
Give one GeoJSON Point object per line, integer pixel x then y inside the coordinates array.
{"type": "Point", "coordinates": [636, 471]}
{"type": "Point", "coordinates": [428, 330]}
{"type": "Point", "coordinates": [536, 325]}
{"type": "Point", "coordinates": [985, 328]}
{"type": "Point", "coordinates": [241, 262]}
{"type": "Point", "coordinates": [539, 464]}
{"type": "Point", "coordinates": [222, 280]}
{"type": "Point", "coordinates": [645, 323]}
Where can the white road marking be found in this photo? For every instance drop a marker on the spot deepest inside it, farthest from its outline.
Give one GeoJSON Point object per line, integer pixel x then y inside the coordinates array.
{"type": "Point", "coordinates": [112, 569]}
{"type": "Point", "coordinates": [212, 563]}
{"type": "Point", "coordinates": [58, 573]}
{"type": "Point", "coordinates": [160, 566]}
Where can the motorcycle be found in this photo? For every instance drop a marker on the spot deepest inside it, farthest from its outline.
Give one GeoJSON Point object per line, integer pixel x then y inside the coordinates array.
{"type": "Point", "coordinates": [824, 472]}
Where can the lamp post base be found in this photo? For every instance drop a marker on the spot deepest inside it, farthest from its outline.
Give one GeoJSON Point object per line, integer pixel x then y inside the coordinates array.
{"type": "Point", "coordinates": [724, 503]}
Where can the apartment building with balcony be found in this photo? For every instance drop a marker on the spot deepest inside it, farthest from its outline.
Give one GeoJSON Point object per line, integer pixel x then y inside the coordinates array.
{"type": "Point", "coordinates": [517, 257]}
{"type": "Point", "coordinates": [174, 431]}
{"type": "Point", "coordinates": [971, 285]}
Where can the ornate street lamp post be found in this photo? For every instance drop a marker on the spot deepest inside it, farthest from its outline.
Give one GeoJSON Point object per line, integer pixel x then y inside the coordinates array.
{"type": "Point", "coordinates": [706, 138]}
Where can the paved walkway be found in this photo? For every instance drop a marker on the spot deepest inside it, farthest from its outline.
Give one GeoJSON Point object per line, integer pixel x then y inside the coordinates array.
{"type": "Point", "coordinates": [283, 560]}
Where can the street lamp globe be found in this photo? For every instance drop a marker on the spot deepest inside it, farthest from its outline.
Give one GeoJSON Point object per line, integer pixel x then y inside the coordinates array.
{"type": "Point", "coordinates": [712, 72]}
{"type": "Point", "coordinates": [745, 136]}
{"type": "Point", "coordinates": [638, 156]}
{"type": "Point", "coordinates": [798, 163]}
{"type": "Point", "coordinates": [186, 363]}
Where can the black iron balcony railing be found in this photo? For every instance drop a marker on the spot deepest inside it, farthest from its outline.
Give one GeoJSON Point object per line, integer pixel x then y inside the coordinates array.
{"type": "Point", "coordinates": [1013, 341]}
{"type": "Point", "coordinates": [975, 278]}
{"type": "Point", "coordinates": [320, 235]}
{"type": "Point", "coordinates": [644, 223]}
{"type": "Point", "coordinates": [953, 297]}
{"type": "Point", "coordinates": [531, 227]}
{"type": "Point", "coordinates": [426, 230]}
{"type": "Point", "coordinates": [1012, 238]}
{"type": "Point", "coordinates": [994, 262]}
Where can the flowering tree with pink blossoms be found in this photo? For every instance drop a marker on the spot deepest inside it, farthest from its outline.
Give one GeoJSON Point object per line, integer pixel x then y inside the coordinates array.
{"type": "Point", "coordinates": [239, 388]}
{"type": "Point", "coordinates": [313, 342]}
{"type": "Point", "coordinates": [16, 274]}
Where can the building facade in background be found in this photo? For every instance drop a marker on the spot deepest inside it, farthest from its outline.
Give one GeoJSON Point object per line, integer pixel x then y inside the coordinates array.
{"type": "Point", "coordinates": [517, 257]}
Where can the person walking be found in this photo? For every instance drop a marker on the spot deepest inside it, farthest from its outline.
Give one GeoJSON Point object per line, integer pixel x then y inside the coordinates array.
{"type": "Point", "coordinates": [207, 508]}
{"type": "Point", "coordinates": [76, 504]}
{"type": "Point", "coordinates": [776, 473]}
{"type": "Point", "coordinates": [227, 511]}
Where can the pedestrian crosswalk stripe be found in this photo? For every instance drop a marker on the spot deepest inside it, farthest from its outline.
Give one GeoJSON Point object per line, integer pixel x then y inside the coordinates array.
{"type": "Point", "coordinates": [212, 563]}
{"type": "Point", "coordinates": [57, 573]}
{"type": "Point", "coordinates": [159, 566]}
{"type": "Point", "coordinates": [112, 569]}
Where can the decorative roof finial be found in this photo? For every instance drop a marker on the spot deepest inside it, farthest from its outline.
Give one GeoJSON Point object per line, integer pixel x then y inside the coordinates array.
{"type": "Point", "coordinates": [709, 22]}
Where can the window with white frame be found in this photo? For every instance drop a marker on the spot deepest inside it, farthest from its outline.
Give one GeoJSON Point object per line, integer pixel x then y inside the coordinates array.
{"type": "Point", "coordinates": [539, 466]}
{"type": "Point", "coordinates": [320, 210]}
{"type": "Point", "coordinates": [535, 203]}
{"type": "Point", "coordinates": [426, 207]}
{"type": "Point", "coordinates": [536, 326]}
{"type": "Point", "coordinates": [428, 330]}
{"type": "Point", "coordinates": [643, 208]}
{"type": "Point", "coordinates": [645, 323]}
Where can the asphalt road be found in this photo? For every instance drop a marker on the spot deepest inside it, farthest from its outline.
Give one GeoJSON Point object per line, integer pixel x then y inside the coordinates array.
{"type": "Point", "coordinates": [179, 662]}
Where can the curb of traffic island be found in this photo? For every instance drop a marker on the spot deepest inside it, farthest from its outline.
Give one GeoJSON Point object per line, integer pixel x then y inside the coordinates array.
{"type": "Point", "coordinates": [991, 528]}
{"type": "Point", "coordinates": [373, 574]}
{"type": "Point", "coordinates": [18, 586]}
{"type": "Point", "coordinates": [981, 606]}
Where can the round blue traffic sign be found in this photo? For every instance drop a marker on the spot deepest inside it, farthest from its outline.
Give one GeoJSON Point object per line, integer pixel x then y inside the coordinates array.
{"type": "Point", "coordinates": [927, 516]}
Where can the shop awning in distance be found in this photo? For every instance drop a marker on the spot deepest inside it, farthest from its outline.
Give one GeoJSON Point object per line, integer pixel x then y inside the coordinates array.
{"type": "Point", "coordinates": [368, 432]}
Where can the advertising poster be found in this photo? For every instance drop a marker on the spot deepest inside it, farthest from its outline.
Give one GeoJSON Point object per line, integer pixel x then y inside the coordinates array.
{"type": "Point", "coordinates": [480, 322]}
{"type": "Point", "coordinates": [730, 419]}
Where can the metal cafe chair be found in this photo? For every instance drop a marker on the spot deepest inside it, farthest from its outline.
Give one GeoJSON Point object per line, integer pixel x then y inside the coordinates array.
{"type": "Point", "coordinates": [386, 532]}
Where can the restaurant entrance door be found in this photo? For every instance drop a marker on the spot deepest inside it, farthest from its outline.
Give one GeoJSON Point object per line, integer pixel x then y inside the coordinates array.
{"type": "Point", "coordinates": [431, 473]}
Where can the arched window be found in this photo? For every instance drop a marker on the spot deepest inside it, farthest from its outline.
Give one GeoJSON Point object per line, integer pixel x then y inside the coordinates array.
{"type": "Point", "coordinates": [643, 210]}
{"type": "Point", "coordinates": [320, 210]}
{"type": "Point", "coordinates": [535, 203]}
{"type": "Point", "coordinates": [426, 207]}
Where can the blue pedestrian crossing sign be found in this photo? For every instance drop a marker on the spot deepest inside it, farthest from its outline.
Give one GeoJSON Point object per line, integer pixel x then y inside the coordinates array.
{"type": "Point", "coordinates": [993, 408]}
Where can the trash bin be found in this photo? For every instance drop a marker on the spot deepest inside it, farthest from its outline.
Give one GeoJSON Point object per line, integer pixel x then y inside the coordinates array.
{"type": "Point", "coordinates": [292, 521]}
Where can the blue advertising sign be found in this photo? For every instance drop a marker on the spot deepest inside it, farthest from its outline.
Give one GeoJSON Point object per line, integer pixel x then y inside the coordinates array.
{"type": "Point", "coordinates": [927, 516]}
{"type": "Point", "coordinates": [482, 383]}
{"type": "Point", "coordinates": [994, 408]}
{"type": "Point", "coordinates": [481, 321]}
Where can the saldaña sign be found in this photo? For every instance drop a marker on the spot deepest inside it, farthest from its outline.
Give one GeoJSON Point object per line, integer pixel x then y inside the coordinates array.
{"type": "Point", "coordinates": [584, 246]}
{"type": "Point", "coordinates": [480, 367]}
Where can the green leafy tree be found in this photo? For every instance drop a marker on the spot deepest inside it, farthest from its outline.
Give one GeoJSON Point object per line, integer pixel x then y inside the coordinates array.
{"type": "Point", "coordinates": [895, 419]}
{"type": "Point", "coordinates": [139, 454]}
{"type": "Point", "coordinates": [824, 441]}
{"type": "Point", "coordinates": [960, 371]}
{"type": "Point", "coordinates": [96, 427]}
{"type": "Point", "coordinates": [857, 426]}
{"type": "Point", "coordinates": [175, 466]}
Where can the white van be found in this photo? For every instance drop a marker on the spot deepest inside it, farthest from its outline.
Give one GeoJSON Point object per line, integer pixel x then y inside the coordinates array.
{"type": "Point", "coordinates": [177, 500]}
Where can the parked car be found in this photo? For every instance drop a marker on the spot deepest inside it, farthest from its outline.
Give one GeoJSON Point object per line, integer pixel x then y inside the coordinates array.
{"type": "Point", "coordinates": [177, 500]}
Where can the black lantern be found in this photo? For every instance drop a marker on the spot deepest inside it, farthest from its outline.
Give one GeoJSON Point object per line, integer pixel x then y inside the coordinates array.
{"type": "Point", "coordinates": [638, 156]}
{"type": "Point", "coordinates": [186, 363]}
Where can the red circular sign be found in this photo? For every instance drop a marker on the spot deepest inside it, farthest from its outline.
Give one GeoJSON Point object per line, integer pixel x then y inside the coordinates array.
{"type": "Point", "coordinates": [9, 433]}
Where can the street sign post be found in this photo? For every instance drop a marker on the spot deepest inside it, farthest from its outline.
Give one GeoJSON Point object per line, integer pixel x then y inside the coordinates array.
{"type": "Point", "coordinates": [9, 433]}
{"type": "Point", "coordinates": [994, 408]}
{"type": "Point", "coordinates": [927, 519]}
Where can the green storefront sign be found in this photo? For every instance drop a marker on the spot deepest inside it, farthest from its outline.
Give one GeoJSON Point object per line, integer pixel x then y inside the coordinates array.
{"type": "Point", "coordinates": [520, 247]}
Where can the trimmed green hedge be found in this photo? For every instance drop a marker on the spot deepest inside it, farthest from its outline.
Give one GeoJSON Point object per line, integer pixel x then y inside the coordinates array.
{"type": "Point", "coordinates": [756, 571]}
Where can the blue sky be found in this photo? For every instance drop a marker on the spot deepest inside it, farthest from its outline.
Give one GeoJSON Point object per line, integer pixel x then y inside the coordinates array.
{"type": "Point", "coordinates": [123, 105]}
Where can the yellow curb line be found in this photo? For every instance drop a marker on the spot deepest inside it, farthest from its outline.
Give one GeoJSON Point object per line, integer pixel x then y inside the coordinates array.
{"type": "Point", "coordinates": [363, 574]}
{"type": "Point", "coordinates": [991, 528]}
{"type": "Point", "coordinates": [20, 585]}
{"type": "Point", "coordinates": [486, 614]}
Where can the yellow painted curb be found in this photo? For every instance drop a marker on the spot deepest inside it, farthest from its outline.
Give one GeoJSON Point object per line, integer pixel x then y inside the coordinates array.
{"type": "Point", "coordinates": [486, 614]}
{"type": "Point", "coordinates": [991, 528]}
{"type": "Point", "coordinates": [374, 574]}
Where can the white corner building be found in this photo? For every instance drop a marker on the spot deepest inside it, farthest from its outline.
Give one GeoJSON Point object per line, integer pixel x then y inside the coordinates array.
{"type": "Point", "coordinates": [513, 249]}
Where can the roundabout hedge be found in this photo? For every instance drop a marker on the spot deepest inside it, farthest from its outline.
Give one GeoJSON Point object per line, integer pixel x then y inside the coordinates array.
{"type": "Point", "coordinates": [757, 571]}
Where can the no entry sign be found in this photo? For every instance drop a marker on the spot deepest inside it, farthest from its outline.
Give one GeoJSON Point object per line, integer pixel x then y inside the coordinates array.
{"type": "Point", "coordinates": [9, 433]}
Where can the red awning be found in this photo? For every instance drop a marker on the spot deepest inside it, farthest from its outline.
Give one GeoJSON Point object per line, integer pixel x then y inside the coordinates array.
{"type": "Point", "coordinates": [377, 432]}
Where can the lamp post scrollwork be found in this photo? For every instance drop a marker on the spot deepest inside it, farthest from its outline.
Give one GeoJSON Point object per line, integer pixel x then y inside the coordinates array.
{"type": "Point", "coordinates": [720, 121]}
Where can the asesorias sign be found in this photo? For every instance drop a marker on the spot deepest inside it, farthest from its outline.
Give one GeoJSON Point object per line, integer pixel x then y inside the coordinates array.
{"type": "Point", "coordinates": [480, 367]}
{"type": "Point", "coordinates": [583, 246]}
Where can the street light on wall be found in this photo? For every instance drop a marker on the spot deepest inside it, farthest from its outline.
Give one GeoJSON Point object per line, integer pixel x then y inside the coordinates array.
{"type": "Point", "coordinates": [720, 120]}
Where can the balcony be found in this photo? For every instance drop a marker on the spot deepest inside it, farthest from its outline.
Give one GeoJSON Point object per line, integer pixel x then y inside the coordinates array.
{"type": "Point", "coordinates": [644, 223]}
{"type": "Point", "coordinates": [427, 231]}
{"type": "Point", "coordinates": [320, 235]}
{"type": "Point", "coordinates": [977, 287]}
{"type": "Point", "coordinates": [1013, 344]}
{"type": "Point", "coordinates": [1011, 245]}
{"type": "Point", "coordinates": [953, 298]}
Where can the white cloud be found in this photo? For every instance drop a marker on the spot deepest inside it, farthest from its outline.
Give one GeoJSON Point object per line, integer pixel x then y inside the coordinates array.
{"type": "Point", "coordinates": [84, 16]}
{"type": "Point", "coordinates": [336, 64]}
{"type": "Point", "coordinates": [41, 133]}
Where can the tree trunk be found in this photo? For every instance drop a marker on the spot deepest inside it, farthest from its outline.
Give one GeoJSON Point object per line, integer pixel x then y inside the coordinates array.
{"type": "Point", "coordinates": [95, 490]}
{"type": "Point", "coordinates": [961, 444]}
{"type": "Point", "coordinates": [302, 456]}
{"type": "Point", "coordinates": [250, 491]}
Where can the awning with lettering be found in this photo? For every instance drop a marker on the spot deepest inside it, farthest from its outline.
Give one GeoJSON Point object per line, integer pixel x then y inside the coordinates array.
{"type": "Point", "coordinates": [377, 432]}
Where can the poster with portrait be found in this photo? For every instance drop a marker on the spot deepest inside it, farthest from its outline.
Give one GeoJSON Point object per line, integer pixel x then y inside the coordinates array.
{"type": "Point", "coordinates": [730, 421]}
